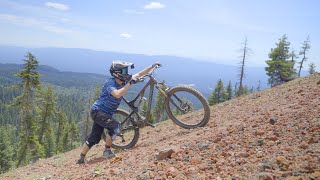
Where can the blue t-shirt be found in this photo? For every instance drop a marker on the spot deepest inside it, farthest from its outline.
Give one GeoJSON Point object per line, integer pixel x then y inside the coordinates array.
{"type": "Point", "coordinates": [106, 102]}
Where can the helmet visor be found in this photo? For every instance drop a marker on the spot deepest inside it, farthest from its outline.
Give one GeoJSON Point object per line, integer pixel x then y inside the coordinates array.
{"type": "Point", "coordinates": [124, 70]}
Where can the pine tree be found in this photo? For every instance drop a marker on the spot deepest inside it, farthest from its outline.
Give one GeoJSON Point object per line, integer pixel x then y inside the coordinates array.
{"type": "Point", "coordinates": [304, 49]}
{"type": "Point", "coordinates": [219, 94]}
{"type": "Point", "coordinates": [29, 146]}
{"type": "Point", "coordinates": [280, 68]}
{"type": "Point", "coordinates": [144, 112]}
{"type": "Point", "coordinates": [159, 108]}
{"type": "Point", "coordinates": [6, 151]}
{"type": "Point", "coordinates": [259, 86]}
{"type": "Point", "coordinates": [236, 88]}
{"type": "Point", "coordinates": [62, 119]}
{"type": "Point", "coordinates": [74, 134]}
{"type": "Point", "coordinates": [64, 143]}
{"type": "Point", "coordinates": [312, 68]}
{"type": "Point", "coordinates": [49, 142]}
{"type": "Point", "coordinates": [242, 90]}
{"type": "Point", "coordinates": [46, 108]}
{"type": "Point", "coordinates": [229, 91]}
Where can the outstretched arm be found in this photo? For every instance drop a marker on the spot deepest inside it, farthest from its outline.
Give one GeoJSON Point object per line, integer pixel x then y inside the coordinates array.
{"type": "Point", "coordinates": [145, 71]}
{"type": "Point", "coordinates": [142, 73]}
{"type": "Point", "coordinates": [121, 92]}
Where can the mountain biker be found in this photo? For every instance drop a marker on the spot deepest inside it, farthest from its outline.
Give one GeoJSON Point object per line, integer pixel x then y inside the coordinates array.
{"type": "Point", "coordinates": [105, 106]}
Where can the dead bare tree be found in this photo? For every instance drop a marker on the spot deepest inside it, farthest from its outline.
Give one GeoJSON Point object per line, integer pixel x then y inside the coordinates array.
{"type": "Point", "coordinates": [245, 53]}
{"type": "Point", "coordinates": [304, 49]}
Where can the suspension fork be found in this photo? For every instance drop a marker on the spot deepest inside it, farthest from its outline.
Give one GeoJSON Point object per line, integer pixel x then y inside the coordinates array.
{"type": "Point", "coordinates": [164, 93]}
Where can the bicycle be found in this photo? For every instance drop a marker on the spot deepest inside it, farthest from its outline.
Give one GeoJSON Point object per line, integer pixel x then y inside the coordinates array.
{"type": "Point", "coordinates": [183, 110]}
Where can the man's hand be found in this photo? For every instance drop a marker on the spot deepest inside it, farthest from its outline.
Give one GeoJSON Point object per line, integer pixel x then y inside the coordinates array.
{"type": "Point", "coordinates": [133, 80]}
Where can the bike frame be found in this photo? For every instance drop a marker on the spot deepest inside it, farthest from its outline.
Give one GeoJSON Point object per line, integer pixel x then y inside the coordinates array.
{"type": "Point", "coordinates": [135, 110]}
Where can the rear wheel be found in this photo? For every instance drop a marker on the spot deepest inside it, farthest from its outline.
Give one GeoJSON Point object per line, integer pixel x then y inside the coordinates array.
{"type": "Point", "coordinates": [129, 134]}
{"type": "Point", "coordinates": [187, 107]}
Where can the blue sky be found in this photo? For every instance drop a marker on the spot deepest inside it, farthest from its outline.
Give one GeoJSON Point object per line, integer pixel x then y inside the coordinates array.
{"type": "Point", "coordinates": [208, 30]}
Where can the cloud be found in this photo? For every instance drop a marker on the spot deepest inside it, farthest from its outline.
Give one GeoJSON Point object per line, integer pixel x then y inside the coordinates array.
{"type": "Point", "coordinates": [126, 35]}
{"type": "Point", "coordinates": [132, 11]}
{"type": "Point", "coordinates": [58, 6]}
{"type": "Point", "coordinates": [154, 5]}
{"type": "Point", "coordinates": [32, 22]}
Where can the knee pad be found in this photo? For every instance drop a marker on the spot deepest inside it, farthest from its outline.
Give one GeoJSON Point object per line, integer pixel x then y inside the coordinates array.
{"type": "Point", "coordinates": [116, 130]}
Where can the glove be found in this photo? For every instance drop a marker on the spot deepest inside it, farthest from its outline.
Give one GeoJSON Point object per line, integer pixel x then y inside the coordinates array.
{"type": "Point", "coordinates": [156, 64]}
{"type": "Point", "coordinates": [133, 81]}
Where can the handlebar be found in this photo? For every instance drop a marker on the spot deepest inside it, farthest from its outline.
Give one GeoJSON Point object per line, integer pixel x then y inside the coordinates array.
{"type": "Point", "coordinates": [142, 78]}
{"type": "Point", "coordinates": [155, 67]}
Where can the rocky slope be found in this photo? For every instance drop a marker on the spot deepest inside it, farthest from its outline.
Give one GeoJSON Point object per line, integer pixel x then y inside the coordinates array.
{"type": "Point", "coordinates": [272, 134]}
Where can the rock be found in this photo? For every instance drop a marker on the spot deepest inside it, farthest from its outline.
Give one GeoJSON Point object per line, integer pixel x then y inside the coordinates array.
{"type": "Point", "coordinates": [266, 176]}
{"type": "Point", "coordinates": [115, 171]}
{"type": "Point", "coordinates": [272, 121]}
{"type": "Point", "coordinates": [283, 163]}
{"type": "Point", "coordinates": [195, 161]}
{"type": "Point", "coordinates": [260, 132]}
{"type": "Point", "coordinates": [244, 154]}
{"type": "Point", "coordinates": [309, 166]}
{"type": "Point", "coordinates": [303, 145]}
{"type": "Point", "coordinates": [264, 165]}
{"type": "Point", "coordinates": [315, 175]}
{"type": "Point", "coordinates": [171, 171]}
{"type": "Point", "coordinates": [295, 178]}
{"type": "Point", "coordinates": [296, 174]}
{"type": "Point", "coordinates": [259, 142]}
{"type": "Point", "coordinates": [203, 146]}
{"type": "Point", "coordinates": [288, 148]}
{"type": "Point", "coordinates": [164, 154]}
{"type": "Point", "coordinates": [272, 138]}
{"type": "Point", "coordinates": [217, 139]}
{"type": "Point", "coordinates": [313, 140]}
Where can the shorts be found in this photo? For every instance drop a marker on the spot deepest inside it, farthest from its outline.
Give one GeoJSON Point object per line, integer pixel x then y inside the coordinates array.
{"type": "Point", "coordinates": [101, 121]}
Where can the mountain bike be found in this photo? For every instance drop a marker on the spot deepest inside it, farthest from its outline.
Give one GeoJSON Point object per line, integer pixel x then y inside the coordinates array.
{"type": "Point", "coordinates": [184, 105]}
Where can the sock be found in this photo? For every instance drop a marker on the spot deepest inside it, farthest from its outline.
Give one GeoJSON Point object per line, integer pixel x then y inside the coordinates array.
{"type": "Point", "coordinates": [107, 147]}
{"type": "Point", "coordinates": [82, 155]}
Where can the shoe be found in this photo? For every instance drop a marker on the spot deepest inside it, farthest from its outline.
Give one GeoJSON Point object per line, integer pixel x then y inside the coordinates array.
{"type": "Point", "coordinates": [80, 161]}
{"type": "Point", "coordinates": [108, 153]}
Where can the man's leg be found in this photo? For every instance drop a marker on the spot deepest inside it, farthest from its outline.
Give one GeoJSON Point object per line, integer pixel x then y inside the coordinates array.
{"type": "Point", "coordinates": [85, 149]}
{"type": "Point", "coordinates": [93, 139]}
{"type": "Point", "coordinates": [104, 120]}
{"type": "Point", "coordinates": [108, 140]}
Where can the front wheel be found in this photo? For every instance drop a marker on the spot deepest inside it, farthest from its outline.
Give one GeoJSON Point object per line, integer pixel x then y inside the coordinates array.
{"type": "Point", "coordinates": [187, 107]}
{"type": "Point", "coordinates": [129, 134]}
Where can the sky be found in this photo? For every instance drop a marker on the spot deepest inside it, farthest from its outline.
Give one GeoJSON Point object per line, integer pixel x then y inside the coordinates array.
{"type": "Point", "coordinates": [209, 30]}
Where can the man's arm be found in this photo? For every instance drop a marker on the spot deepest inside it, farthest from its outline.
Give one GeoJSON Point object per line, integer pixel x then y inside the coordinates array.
{"type": "Point", "coordinates": [118, 93]}
{"type": "Point", "coordinates": [142, 73]}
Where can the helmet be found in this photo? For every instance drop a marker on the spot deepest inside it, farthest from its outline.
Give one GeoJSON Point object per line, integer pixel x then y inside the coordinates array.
{"type": "Point", "coordinates": [119, 69]}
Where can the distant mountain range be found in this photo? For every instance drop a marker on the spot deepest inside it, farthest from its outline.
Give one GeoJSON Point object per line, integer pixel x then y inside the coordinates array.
{"type": "Point", "coordinates": [175, 70]}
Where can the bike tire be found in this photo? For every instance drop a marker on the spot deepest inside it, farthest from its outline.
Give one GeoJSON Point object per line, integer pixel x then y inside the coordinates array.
{"type": "Point", "coordinates": [193, 95]}
{"type": "Point", "coordinates": [131, 134]}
